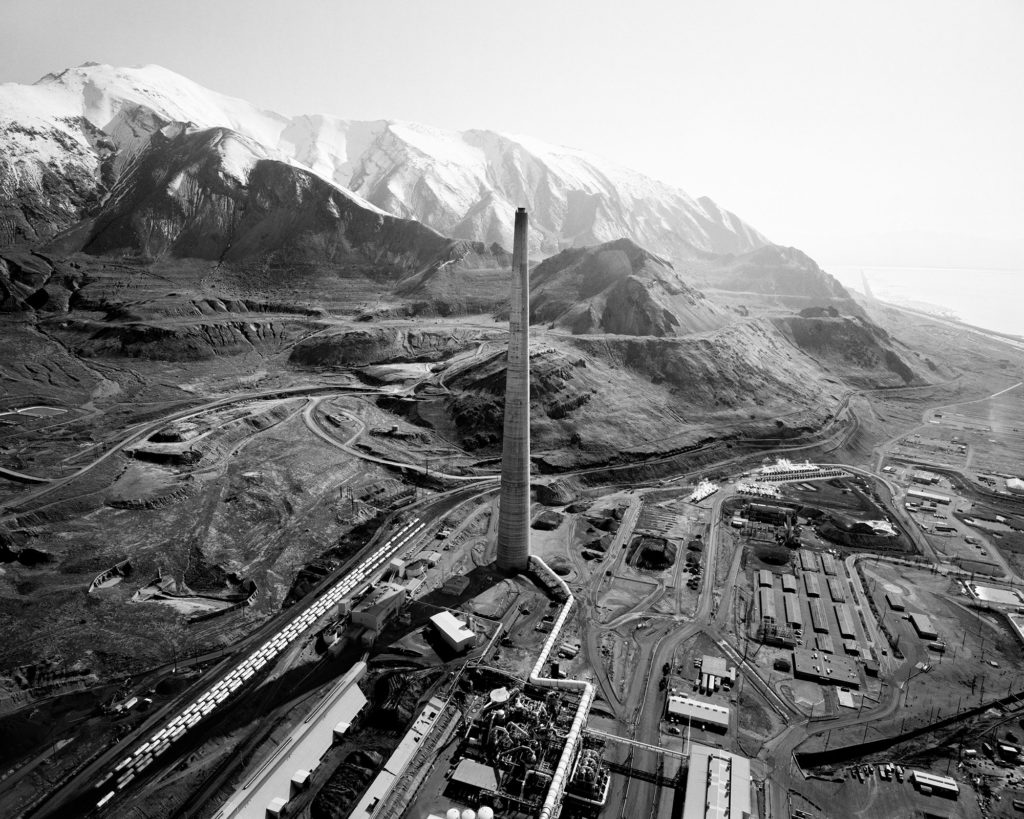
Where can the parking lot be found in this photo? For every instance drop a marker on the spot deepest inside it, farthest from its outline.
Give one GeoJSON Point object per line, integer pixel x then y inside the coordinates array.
{"type": "Point", "coordinates": [880, 790]}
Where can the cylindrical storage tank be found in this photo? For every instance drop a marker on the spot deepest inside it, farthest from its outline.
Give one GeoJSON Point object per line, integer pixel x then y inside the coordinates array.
{"type": "Point", "coordinates": [485, 813]}
{"type": "Point", "coordinates": [453, 813]}
{"type": "Point", "coordinates": [469, 813]}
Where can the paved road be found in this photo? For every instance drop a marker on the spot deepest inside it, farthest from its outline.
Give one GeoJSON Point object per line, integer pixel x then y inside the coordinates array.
{"type": "Point", "coordinates": [21, 477]}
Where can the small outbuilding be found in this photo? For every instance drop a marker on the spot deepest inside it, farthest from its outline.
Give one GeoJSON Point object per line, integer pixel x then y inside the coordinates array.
{"type": "Point", "coordinates": [452, 630]}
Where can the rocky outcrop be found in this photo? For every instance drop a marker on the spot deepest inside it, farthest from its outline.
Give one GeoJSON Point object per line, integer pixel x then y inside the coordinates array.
{"type": "Point", "coordinates": [23, 277]}
{"type": "Point", "coordinates": [617, 288]}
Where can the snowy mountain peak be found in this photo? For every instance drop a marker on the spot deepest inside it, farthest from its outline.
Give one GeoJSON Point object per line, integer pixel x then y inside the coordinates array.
{"type": "Point", "coordinates": [85, 125]}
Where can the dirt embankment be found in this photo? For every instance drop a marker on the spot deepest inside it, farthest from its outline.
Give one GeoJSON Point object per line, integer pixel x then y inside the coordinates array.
{"type": "Point", "coordinates": [381, 345]}
{"type": "Point", "coordinates": [189, 342]}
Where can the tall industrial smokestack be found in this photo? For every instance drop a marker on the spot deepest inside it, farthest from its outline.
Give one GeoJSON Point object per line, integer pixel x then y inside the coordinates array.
{"type": "Point", "coordinates": [514, 514]}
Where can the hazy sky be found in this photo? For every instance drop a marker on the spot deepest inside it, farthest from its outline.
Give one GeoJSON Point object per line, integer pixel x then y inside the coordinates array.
{"type": "Point", "coordinates": [818, 122]}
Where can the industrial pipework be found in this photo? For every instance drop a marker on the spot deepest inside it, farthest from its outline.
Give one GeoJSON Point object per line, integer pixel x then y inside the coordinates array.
{"type": "Point", "coordinates": [552, 801]}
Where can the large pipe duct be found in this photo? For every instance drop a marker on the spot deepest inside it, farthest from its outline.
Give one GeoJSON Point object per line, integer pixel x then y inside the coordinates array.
{"type": "Point", "coordinates": [514, 512]}
{"type": "Point", "coordinates": [553, 799]}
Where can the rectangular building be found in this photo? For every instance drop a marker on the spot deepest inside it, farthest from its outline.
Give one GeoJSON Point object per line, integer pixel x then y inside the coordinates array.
{"type": "Point", "coordinates": [829, 669]}
{"type": "Point", "coordinates": [717, 786]}
{"type": "Point", "coordinates": [474, 779]}
{"type": "Point", "coordinates": [375, 609]}
{"type": "Point", "coordinates": [789, 583]}
{"type": "Point", "coordinates": [808, 562]}
{"type": "Point", "coordinates": [895, 601]}
{"type": "Point", "coordinates": [818, 621]}
{"type": "Point", "coordinates": [824, 643]}
{"type": "Point", "coordinates": [452, 630]}
{"type": "Point", "coordinates": [944, 784]}
{"type": "Point", "coordinates": [769, 513]}
{"type": "Point", "coordinates": [791, 604]}
{"type": "Point", "coordinates": [765, 578]}
{"type": "Point", "coordinates": [828, 564]}
{"type": "Point", "coordinates": [836, 590]}
{"type": "Point", "coordinates": [845, 620]}
{"type": "Point", "coordinates": [924, 494]}
{"type": "Point", "coordinates": [923, 626]}
{"type": "Point", "coordinates": [766, 598]}
{"type": "Point", "coordinates": [811, 585]}
{"type": "Point", "coordinates": [699, 714]}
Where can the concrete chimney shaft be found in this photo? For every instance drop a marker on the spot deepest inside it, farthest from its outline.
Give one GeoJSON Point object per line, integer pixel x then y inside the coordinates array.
{"type": "Point", "coordinates": [514, 515]}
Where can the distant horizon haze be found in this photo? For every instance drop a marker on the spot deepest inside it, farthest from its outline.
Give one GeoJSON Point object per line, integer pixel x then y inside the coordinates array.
{"type": "Point", "coordinates": [824, 126]}
{"type": "Point", "coordinates": [986, 298]}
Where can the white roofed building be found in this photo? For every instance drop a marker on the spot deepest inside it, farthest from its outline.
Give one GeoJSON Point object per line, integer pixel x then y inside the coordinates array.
{"type": "Point", "coordinates": [784, 470]}
{"type": "Point", "coordinates": [700, 714]}
{"type": "Point", "coordinates": [453, 631]}
{"type": "Point", "coordinates": [717, 786]}
{"type": "Point", "coordinates": [936, 782]}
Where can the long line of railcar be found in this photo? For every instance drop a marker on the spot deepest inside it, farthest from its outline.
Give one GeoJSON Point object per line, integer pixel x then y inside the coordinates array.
{"type": "Point", "coordinates": [126, 770]}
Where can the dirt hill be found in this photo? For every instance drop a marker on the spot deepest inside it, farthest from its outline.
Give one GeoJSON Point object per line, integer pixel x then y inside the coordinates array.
{"type": "Point", "coordinates": [618, 288]}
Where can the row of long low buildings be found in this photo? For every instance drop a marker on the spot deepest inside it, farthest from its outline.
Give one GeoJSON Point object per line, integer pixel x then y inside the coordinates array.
{"type": "Point", "coordinates": [844, 619]}
{"type": "Point", "coordinates": [836, 587]}
{"type": "Point", "coordinates": [784, 471]}
{"type": "Point", "coordinates": [766, 579]}
{"type": "Point", "coordinates": [809, 562]}
{"type": "Point", "coordinates": [792, 611]}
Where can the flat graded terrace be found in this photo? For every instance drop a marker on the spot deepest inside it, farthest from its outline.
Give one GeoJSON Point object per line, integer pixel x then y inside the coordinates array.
{"type": "Point", "coordinates": [994, 594]}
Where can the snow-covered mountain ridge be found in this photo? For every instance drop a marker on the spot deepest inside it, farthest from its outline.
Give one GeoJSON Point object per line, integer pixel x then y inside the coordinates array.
{"type": "Point", "coordinates": [66, 140]}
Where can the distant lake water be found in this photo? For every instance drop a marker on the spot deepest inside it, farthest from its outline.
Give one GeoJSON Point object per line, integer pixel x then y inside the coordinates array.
{"type": "Point", "coordinates": [993, 299]}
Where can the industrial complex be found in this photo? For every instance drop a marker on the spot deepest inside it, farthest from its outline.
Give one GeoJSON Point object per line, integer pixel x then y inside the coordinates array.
{"type": "Point", "coordinates": [751, 636]}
